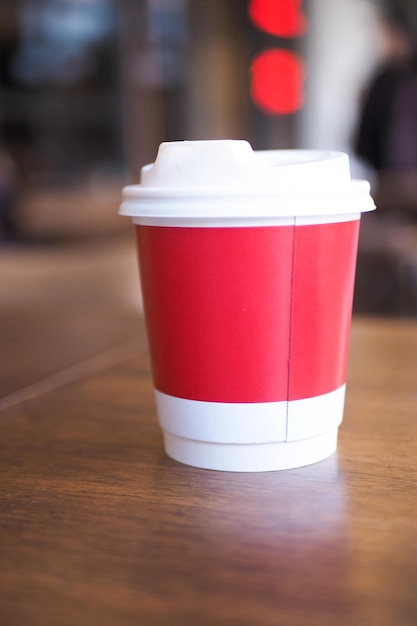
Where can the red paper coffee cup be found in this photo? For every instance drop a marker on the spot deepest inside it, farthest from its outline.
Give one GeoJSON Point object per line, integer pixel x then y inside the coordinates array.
{"type": "Point", "coordinates": [247, 265]}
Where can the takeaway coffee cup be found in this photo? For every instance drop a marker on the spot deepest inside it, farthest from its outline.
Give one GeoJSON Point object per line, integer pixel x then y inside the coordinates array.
{"type": "Point", "coordinates": [247, 263]}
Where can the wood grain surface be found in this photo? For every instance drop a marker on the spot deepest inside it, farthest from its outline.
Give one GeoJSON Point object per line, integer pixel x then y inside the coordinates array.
{"type": "Point", "coordinates": [99, 527]}
{"type": "Point", "coordinates": [64, 303]}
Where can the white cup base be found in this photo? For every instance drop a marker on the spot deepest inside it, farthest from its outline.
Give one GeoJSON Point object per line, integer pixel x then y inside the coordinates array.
{"type": "Point", "coordinates": [264, 457]}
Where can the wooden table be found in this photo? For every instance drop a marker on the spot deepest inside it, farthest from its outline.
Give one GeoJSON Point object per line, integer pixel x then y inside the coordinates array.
{"type": "Point", "coordinates": [100, 528]}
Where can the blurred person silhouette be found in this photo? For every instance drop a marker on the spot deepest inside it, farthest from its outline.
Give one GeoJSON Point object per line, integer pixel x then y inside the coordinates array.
{"type": "Point", "coordinates": [387, 142]}
{"type": "Point", "coordinates": [387, 132]}
{"type": "Point", "coordinates": [9, 230]}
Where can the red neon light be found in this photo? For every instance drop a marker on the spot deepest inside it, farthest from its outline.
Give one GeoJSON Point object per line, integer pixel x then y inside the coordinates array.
{"type": "Point", "coordinates": [282, 18]}
{"type": "Point", "coordinates": [277, 81]}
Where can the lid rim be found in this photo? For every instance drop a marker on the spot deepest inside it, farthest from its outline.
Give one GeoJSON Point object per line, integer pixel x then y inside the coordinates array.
{"type": "Point", "coordinates": [354, 187]}
{"type": "Point", "coordinates": [240, 208]}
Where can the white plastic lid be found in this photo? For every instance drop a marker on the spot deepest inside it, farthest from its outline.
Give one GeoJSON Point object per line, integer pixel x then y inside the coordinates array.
{"type": "Point", "coordinates": [227, 179]}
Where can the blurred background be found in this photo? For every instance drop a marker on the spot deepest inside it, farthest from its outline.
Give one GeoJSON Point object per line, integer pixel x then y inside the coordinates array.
{"type": "Point", "coordinates": [88, 90]}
